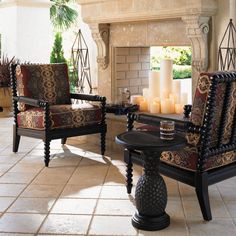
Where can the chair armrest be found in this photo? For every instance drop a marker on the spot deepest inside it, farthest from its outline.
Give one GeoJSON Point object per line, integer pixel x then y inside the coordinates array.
{"type": "Point", "coordinates": [87, 97]}
{"type": "Point", "coordinates": [30, 101]}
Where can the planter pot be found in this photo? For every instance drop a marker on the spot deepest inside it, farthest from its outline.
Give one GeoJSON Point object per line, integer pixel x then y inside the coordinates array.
{"type": "Point", "coordinates": [6, 100]}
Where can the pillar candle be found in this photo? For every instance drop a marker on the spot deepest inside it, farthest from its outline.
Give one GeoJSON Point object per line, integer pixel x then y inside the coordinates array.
{"type": "Point", "coordinates": [154, 84]}
{"type": "Point", "coordinates": [179, 108]}
{"type": "Point", "coordinates": [184, 98]}
{"type": "Point", "coordinates": [176, 90]}
{"type": "Point", "coordinates": [172, 97]}
{"type": "Point", "coordinates": [143, 106]}
{"type": "Point", "coordinates": [166, 77]}
{"type": "Point", "coordinates": [155, 107]}
{"type": "Point", "coordinates": [145, 92]}
{"type": "Point", "coordinates": [166, 106]}
{"type": "Point", "coordinates": [135, 99]}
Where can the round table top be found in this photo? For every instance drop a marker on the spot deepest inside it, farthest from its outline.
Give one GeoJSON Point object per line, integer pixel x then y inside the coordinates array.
{"type": "Point", "coordinates": [144, 140]}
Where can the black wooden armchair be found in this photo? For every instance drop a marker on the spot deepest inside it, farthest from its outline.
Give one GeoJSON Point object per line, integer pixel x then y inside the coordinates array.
{"type": "Point", "coordinates": [210, 155]}
{"type": "Point", "coordinates": [43, 108]}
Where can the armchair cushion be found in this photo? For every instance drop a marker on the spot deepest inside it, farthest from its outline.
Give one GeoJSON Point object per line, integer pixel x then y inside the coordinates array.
{"type": "Point", "coordinates": [62, 116]}
{"type": "Point", "coordinates": [48, 82]}
{"type": "Point", "coordinates": [188, 158]}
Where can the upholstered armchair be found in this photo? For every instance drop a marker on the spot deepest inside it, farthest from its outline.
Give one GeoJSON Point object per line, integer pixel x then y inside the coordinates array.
{"type": "Point", "coordinates": [210, 155]}
{"type": "Point", "coordinates": [43, 107]}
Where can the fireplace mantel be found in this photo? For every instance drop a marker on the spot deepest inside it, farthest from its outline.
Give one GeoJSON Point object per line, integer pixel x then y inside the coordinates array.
{"type": "Point", "coordinates": [141, 18]}
{"type": "Point", "coordinates": [113, 11]}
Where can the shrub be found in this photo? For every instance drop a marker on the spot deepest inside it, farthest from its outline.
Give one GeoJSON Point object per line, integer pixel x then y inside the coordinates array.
{"type": "Point", "coordinates": [57, 54]}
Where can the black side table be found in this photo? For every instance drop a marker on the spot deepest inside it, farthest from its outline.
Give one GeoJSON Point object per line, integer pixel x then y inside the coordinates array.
{"type": "Point", "coordinates": [150, 193]}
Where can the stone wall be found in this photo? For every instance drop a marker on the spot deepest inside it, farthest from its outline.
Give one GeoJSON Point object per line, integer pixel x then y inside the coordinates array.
{"type": "Point", "coordinates": [132, 65]}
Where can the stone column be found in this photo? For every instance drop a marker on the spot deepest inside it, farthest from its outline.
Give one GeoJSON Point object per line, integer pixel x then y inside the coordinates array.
{"type": "Point", "coordinates": [26, 30]}
{"type": "Point", "coordinates": [197, 29]}
{"type": "Point", "coordinates": [101, 36]}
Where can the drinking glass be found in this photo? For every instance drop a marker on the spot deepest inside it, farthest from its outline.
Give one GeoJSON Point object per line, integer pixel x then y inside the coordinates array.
{"type": "Point", "coordinates": [167, 129]}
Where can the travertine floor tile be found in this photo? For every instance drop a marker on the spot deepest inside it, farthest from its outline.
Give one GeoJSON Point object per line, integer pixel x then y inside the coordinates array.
{"type": "Point", "coordinates": [177, 227]}
{"type": "Point", "coordinates": [11, 190]}
{"type": "Point", "coordinates": [75, 191]}
{"type": "Point", "coordinates": [231, 207]}
{"type": "Point", "coordinates": [27, 168]}
{"type": "Point", "coordinates": [41, 191]}
{"type": "Point", "coordinates": [74, 206]}
{"type": "Point", "coordinates": [20, 223]}
{"type": "Point", "coordinates": [192, 209]}
{"type": "Point", "coordinates": [115, 207]}
{"type": "Point", "coordinates": [112, 225]}
{"type": "Point", "coordinates": [216, 227]}
{"type": "Point", "coordinates": [32, 205]}
{"type": "Point", "coordinates": [5, 202]}
{"type": "Point", "coordinates": [13, 234]}
{"type": "Point", "coordinates": [114, 192]}
{"type": "Point", "coordinates": [51, 178]}
{"type": "Point", "coordinates": [5, 167]}
{"type": "Point", "coordinates": [9, 159]}
{"type": "Point", "coordinates": [66, 224]}
{"type": "Point", "coordinates": [188, 192]}
{"type": "Point", "coordinates": [17, 177]}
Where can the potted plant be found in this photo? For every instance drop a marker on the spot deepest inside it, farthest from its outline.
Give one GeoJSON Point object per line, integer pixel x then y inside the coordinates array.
{"type": "Point", "coordinates": [5, 91]}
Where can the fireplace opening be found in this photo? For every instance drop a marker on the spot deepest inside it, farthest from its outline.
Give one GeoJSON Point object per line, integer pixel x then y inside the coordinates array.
{"type": "Point", "coordinates": [132, 67]}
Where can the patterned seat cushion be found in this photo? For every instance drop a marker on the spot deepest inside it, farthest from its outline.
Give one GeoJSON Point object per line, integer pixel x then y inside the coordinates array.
{"type": "Point", "coordinates": [188, 157]}
{"type": "Point", "coordinates": [49, 82]}
{"type": "Point", "coordinates": [62, 116]}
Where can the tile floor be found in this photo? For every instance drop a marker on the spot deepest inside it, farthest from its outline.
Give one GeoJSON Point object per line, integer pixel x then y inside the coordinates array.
{"type": "Point", "coordinates": [83, 194]}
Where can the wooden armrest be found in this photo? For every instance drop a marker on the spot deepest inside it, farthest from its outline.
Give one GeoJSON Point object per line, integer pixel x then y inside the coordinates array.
{"type": "Point", "coordinates": [87, 97]}
{"type": "Point", "coordinates": [30, 101]}
{"type": "Point", "coordinates": [181, 124]}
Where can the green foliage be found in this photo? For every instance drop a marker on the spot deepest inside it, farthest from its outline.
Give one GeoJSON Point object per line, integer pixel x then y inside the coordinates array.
{"type": "Point", "coordinates": [62, 15]}
{"type": "Point", "coordinates": [182, 72]}
{"type": "Point", "coordinates": [72, 77]}
{"type": "Point", "coordinates": [181, 57]}
{"type": "Point", "coordinates": [57, 54]}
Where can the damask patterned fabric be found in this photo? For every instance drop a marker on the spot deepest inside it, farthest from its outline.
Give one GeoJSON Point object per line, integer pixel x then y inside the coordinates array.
{"type": "Point", "coordinates": [188, 157]}
{"type": "Point", "coordinates": [199, 106]}
{"type": "Point", "coordinates": [62, 116]}
{"type": "Point", "coordinates": [49, 82]}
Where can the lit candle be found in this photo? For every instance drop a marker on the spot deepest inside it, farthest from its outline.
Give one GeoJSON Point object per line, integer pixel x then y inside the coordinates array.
{"type": "Point", "coordinates": [155, 107]}
{"type": "Point", "coordinates": [166, 106]}
{"type": "Point", "coordinates": [136, 99]}
{"type": "Point", "coordinates": [165, 94]}
{"type": "Point", "coordinates": [179, 108]}
{"type": "Point", "coordinates": [176, 90]}
{"type": "Point", "coordinates": [166, 77]}
{"type": "Point", "coordinates": [173, 99]}
{"type": "Point", "coordinates": [154, 84]}
{"type": "Point", "coordinates": [143, 106]}
{"type": "Point", "coordinates": [184, 98]}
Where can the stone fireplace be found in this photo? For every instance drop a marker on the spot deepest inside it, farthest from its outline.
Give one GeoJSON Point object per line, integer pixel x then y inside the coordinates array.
{"type": "Point", "coordinates": [124, 30]}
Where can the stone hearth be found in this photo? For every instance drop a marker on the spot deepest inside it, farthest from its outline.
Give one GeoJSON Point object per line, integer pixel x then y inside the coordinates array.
{"type": "Point", "coordinates": [130, 23]}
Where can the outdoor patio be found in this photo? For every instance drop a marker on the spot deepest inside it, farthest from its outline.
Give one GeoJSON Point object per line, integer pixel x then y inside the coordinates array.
{"type": "Point", "coordinates": [83, 194]}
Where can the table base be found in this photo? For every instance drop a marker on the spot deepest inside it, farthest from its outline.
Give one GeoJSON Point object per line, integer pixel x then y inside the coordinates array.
{"type": "Point", "coordinates": [150, 223]}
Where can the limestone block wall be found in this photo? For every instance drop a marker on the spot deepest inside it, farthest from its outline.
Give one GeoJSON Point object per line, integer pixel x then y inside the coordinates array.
{"type": "Point", "coordinates": [132, 66]}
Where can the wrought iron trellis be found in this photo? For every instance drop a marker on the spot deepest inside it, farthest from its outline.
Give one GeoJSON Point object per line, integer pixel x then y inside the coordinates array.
{"type": "Point", "coordinates": [80, 70]}
{"type": "Point", "coordinates": [227, 50]}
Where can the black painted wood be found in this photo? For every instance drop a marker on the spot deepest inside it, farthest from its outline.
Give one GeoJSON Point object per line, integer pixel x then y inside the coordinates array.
{"type": "Point", "coordinates": [150, 193]}
{"type": "Point", "coordinates": [201, 178]}
{"type": "Point", "coordinates": [49, 134]}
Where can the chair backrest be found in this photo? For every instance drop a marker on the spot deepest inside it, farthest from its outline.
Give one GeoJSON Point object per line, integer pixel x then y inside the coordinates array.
{"type": "Point", "coordinates": [214, 112]}
{"type": "Point", "coordinates": [49, 82]}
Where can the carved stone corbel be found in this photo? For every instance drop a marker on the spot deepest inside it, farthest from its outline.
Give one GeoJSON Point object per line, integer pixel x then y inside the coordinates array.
{"type": "Point", "coordinates": [100, 34]}
{"type": "Point", "coordinates": [197, 29]}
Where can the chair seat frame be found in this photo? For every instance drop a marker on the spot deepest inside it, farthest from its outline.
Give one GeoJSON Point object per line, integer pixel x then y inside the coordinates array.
{"type": "Point", "coordinates": [49, 134]}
